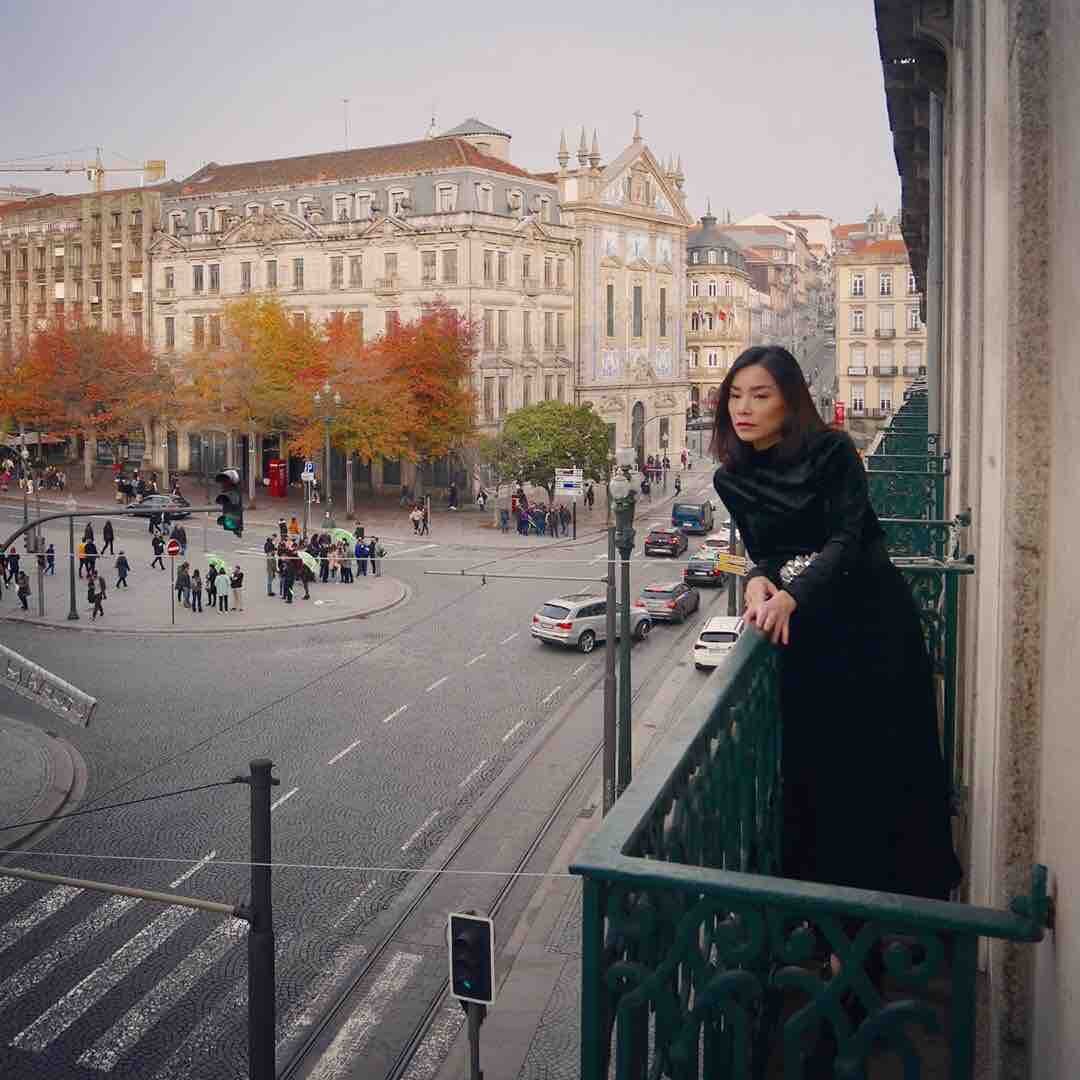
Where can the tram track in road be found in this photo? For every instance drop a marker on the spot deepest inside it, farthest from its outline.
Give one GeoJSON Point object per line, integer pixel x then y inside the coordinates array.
{"type": "Point", "coordinates": [305, 1058]}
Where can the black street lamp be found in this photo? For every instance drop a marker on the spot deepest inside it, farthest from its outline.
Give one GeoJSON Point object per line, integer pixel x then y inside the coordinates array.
{"type": "Point", "coordinates": [623, 500]}
{"type": "Point", "coordinates": [331, 404]}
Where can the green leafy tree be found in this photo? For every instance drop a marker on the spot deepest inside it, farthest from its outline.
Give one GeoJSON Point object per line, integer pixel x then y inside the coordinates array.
{"type": "Point", "coordinates": [538, 440]}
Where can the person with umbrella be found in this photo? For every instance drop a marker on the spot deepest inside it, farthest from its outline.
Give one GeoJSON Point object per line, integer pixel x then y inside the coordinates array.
{"type": "Point", "coordinates": [308, 564]}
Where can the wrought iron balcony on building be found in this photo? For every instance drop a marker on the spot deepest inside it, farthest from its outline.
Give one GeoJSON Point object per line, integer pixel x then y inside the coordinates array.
{"type": "Point", "coordinates": [886, 370]}
{"type": "Point", "coordinates": [857, 369]}
{"type": "Point", "coordinates": [885, 334]}
{"type": "Point", "coordinates": [386, 286]}
{"type": "Point", "coordinates": [913, 370]}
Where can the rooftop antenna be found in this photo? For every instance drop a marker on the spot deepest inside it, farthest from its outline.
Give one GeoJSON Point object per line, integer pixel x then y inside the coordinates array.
{"type": "Point", "coordinates": [345, 106]}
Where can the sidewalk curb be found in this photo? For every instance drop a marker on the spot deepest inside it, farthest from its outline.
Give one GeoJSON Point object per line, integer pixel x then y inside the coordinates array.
{"type": "Point", "coordinates": [405, 593]}
{"type": "Point", "coordinates": [67, 782]}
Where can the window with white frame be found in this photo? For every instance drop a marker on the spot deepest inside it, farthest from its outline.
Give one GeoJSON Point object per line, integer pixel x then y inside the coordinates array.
{"type": "Point", "coordinates": [693, 358]}
{"type": "Point", "coordinates": [356, 271]}
{"type": "Point", "coordinates": [885, 358]}
{"type": "Point", "coordinates": [712, 256]}
{"type": "Point", "coordinates": [912, 284]}
{"type": "Point", "coordinates": [858, 359]}
{"type": "Point", "coordinates": [397, 201]}
{"type": "Point", "coordinates": [712, 288]}
{"type": "Point", "coordinates": [713, 360]}
{"type": "Point", "coordinates": [728, 289]}
{"type": "Point", "coordinates": [885, 399]}
{"type": "Point", "coordinates": [203, 220]}
{"type": "Point", "coordinates": [515, 200]}
{"type": "Point", "coordinates": [913, 357]}
{"type": "Point", "coordinates": [485, 198]}
{"type": "Point", "coordinates": [858, 320]}
{"type": "Point", "coordinates": [885, 318]}
{"type": "Point", "coordinates": [341, 207]}
{"type": "Point", "coordinates": [857, 399]}
{"type": "Point", "coordinates": [445, 198]}
{"type": "Point", "coordinates": [885, 283]}
{"type": "Point", "coordinates": [427, 267]}
{"type": "Point", "coordinates": [858, 284]}
{"type": "Point", "coordinates": [363, 205]}
{"type": "Point", "coordinates": [252, 209]}
{"type": "Point", "coordinates": [279, 206]}
{"type": "Point", "coordinates": [695, 321]}
{"type": "Point", "coordinates": [545, 208]}
{"type": "Point", "coordinates": [176, 222]}
{"type": "Point", "coordinates": [693, 257]}
{"type": "Point", "coordinates": [694, 289]}
{"type": "Point", "coordinates": [304, 205]}
{"type": "Point", "coordinates": [913, 321]}
{"type": "Point", "coordinates": [449, 266]}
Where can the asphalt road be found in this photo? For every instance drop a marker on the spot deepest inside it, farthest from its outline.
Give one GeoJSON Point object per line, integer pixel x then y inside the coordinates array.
{"type": "Point", "coordinates": [385, 733]}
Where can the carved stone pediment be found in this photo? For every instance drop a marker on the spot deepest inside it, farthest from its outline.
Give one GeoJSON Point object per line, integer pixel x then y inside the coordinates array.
{"type": "Point", "coordinates": [609, 405]}
{"type": "Point", "coordinates": [268, 229]}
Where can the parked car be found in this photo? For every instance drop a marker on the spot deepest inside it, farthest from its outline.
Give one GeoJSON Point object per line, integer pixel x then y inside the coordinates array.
{"type": "Point", "coordinates": [715, 640]}
{"type": "Point", "coordinates": [161, 508]}
{"type": "Point", "coordinates": [692, 517]}
{"type": "Point", "coordinates": [661, 541]}
{"type": "Point", "coordinates": [671, 601]}
{"type": "Point", "coordinates": [580, 621]}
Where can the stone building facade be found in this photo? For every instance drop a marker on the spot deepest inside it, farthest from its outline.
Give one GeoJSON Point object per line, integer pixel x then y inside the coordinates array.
{"type": "Point", "coordinates": [718, 309]}
{"type": "Point", "coordinates": [630, 221]}
{"type": "Point", "coordinates": [377, 234]}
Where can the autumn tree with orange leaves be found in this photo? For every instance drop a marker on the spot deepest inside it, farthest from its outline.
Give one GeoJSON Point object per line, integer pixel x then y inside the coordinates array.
{"type": "Point", "coordinates": [77, 380]}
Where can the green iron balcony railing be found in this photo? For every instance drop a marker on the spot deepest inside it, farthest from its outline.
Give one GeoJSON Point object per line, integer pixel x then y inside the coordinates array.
{"type": "Point", "coordinates": [922, 538]}
{"type": "Point", "coordinates": [923, 463]}
{"type": "Point", "coordinates": [895, 494]}
{"type": "Point", "coordinates": [700, 960]}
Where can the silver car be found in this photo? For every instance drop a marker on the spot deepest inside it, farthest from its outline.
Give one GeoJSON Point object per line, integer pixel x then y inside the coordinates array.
{"type": "Point", "coordinates": [580, 621]}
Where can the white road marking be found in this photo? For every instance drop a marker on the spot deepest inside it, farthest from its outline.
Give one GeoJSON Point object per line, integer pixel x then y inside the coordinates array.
{"type": "Point", "coordinates": [581, 667]}
{"type": "Point", "coordinates": [36, 913]}
{"type": "Point", "coordinates": [80, 935]}
{"type": "Point", "coordinates": [52, 1023]}
{"type": "Point", "coordinates": [476, 659]}
{"type": "Point", "coordinates": [145, 1013]}
{"type": "Point", "coordinates": [350, 907]}
{"type": "Point", "coordinates": [416, 835]}
{"type": "Point", "coordinates": [506, 640]}
{"type": "Point", "coordinates": [432, 1051]}
{"type": "Point", "coordinates": [8, 885]}
{"type": "Point", "coordinates": [396, 712]}
{"type": "Point", "coordinates": [437, 682]}
{"type": "Point", "coordinates": [194, 870]}
{"type": "Point", "coordinates": [348, 749]}
{"type": "Point", "coordinates": [409, 551]}
{"type": "Point", "coordinates": [472, 776]}
{"type": "Point", "coordinates": [284, 798]}
{"type": "Point", "coordinates": [343, 1053]}
{"type": "Point", "coordinates": [551, 695]}
{"type": "Point", "coordinates": [510, 734]}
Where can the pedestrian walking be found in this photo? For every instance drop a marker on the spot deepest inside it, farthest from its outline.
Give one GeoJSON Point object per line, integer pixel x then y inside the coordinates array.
{"type": "Point", "coordinates": [211, 587]}
{"type": "Point", "coordinates": [481, 498]}
{"type": "Point", "coordinates": [107, 539]}
{"type": "Point", "coordinates": [159, 549]}
{"type": "Point", "coordinates": [22, 590]}
{"type": "Point", "coordinates": [80, 551]}
{"type": "Point", "coordinates": [179, 534]}
{"type": "Point", "coordinates": [361, 558]}
{"type": "Point", "coordinates": [283, 528]}
{"type": "Point", "coordinates": [416, 516]}
{"type": "Point", "coordinates": [88, 532]}
{"type": "Point", "coordinates": [306, 578]}
{"type": "Point", "coordinates": [452, 496]}
{"type": "Point", "coordinates": [287, 575]}
{"type": "Point", "coordinates": [271, 564]}
{"type": "Point", "coordinates": [377, 552]}
{"type": "Point", "coordinates": [678, 485]}
{"type": "Point", "coordinates": [11, 571]}
{"type": "Point", "coordinates": [345, 563]}
{"type": "Point", "coordinates": [123, 568]}
{"type": "Point", "coordinates": [294, 529]}
{"type": "Point", "coordinates": [425, 526]}
{"type": "Point", "coordinates": [96, 595]}
{"type": "Point", "coordinates": [50, 560]}
{"type": "Point", "coordinates": [196, 591]}
{"type": "Point", "coordinates": [183, 584]}
{"type": "Point", "coordinates": [565, 518]}
{"type": "Point", "coordinates": [236, 583]}
{"type": "Point", "coordinates": [323, 549]}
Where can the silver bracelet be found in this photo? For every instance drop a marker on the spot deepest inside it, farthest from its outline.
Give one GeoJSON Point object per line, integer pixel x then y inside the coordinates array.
{"type": "Point", "coordinates": [795, 566]}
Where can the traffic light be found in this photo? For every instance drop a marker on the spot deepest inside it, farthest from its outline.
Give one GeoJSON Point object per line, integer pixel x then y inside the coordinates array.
{"type": "Point", "coordinates": [472, 957]}
{"type": "Point", "coordinates": [231, 501]}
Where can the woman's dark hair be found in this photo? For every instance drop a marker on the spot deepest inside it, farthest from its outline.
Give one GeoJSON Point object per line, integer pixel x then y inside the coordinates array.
{"type": "Point", "coordinates": [802, 419]}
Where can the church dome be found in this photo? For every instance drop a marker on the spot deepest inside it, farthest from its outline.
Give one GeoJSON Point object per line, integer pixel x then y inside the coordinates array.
{"type": "Point", "coordinates": [708, 236]}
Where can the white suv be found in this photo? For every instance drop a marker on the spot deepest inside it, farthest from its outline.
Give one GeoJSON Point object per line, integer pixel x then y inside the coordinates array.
{"type": "Point", "coordinates": [580, 621]}
{"type": "Point", "coordinates": [716, 639]}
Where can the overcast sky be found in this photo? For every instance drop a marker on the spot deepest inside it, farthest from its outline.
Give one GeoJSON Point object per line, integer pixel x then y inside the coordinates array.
{"type": "Point", "coordinates": [772, 105]}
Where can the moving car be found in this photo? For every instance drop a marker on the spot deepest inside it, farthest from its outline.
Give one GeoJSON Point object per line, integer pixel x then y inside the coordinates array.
{"type": "Point", "coordinates": [703, 568]}
{"type": "Point", "coordinates": [661, 541]}
{"type": "Point", "coordinates": [671, 601]}
{"type": "Point", "coordinates": [580, 621]}
{"type": "Point", "coordinates": [692, 517]}
{"type": "Point", "coordinates": [161, 508]}
{"type": "Point", "coordinates": [716, 639]}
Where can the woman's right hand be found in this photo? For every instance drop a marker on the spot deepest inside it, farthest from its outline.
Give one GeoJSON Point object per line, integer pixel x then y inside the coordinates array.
{"type": "Point", "coordinates": [759, 590]}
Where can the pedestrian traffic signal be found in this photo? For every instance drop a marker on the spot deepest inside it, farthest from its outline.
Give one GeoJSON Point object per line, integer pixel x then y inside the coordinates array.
{"type": "Point", "coordinates": [231, 501]}
{"type": "Point", "coordinates": [472, 957]}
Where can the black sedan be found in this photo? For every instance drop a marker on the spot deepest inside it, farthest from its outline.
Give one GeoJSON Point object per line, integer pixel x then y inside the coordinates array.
{"type": "Point", "coordinates": [666, 542]}
{"type": "Point", "coordinates": [161, 508]}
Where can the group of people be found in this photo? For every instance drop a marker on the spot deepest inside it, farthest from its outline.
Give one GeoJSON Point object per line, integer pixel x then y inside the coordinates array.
{"type": "Point", "coordinates": [14, 576]}
{"type": "Point", "coordinates": [50, 477]}
{"type": "Point", "coordinates": [219, 585]}
{"type": "Point", "coordinates": [335, 558]}
{"type": "Point", "coordinates": [535, 518]}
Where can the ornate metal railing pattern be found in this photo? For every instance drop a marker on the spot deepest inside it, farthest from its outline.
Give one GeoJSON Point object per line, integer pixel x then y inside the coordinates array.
{"type": "Point", "coordinates": [696, 964]}
{"type": "Point", "coordinates": [929, 463]}
{"type": "Point", "coordinates": [907, 494]}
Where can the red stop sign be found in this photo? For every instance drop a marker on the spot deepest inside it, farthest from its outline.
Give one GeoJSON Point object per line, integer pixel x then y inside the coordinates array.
{"type": "Point", "coordinates": [172, 548]}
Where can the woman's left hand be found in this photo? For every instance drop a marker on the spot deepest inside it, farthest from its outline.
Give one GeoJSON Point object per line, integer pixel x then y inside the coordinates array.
{"type": "Point", "coordinates": [773, 616]}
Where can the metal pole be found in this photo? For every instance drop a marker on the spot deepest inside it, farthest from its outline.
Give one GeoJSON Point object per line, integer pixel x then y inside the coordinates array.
{"type": "Point", "coordinates": [476, 1018]}
{"type": "Point", "coordinates": [573, 513]}
{"type": "Point", "coordinates": [206, 481]}
{"type": "Point", "coordinates": [73, 611]}
{"type": "Point", "coordinates": [329, 481]}
{"type": "Point", "coordinates": [307, 507]}
{"type": "Point", "coordinates": [39, 548]}
{"type": "Point", "coordinates": [261, 1019]}
{"type": "Point", "coordinates": [349, 511]}
{"type": "Point", "coordinates": [610, 732]}
{"type": "Point", "coordinates": [172, 588]}
{"type": "Point", "coordinates": [625, 542]}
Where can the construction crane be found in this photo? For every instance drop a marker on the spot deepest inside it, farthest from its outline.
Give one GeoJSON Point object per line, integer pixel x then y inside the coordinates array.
{"type": "Point", "coordinates": [95, 170]}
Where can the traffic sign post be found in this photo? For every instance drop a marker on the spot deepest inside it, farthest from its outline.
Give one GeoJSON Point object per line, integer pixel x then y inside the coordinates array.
{"type": "Point", "coordinates": [308, 478]}
{"type": "Point", "coordinates": [172, 549]}
{"type": "Point", "coordinates": [570, 483]}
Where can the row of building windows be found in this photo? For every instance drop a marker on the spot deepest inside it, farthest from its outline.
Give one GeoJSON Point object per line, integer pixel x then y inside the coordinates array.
{"type": "Point", "coordinates": [435, 267]}
{"type": "Point", "coordinates": [358, 206]}
{"type": "Point", "coordinates": [713, 288]}
{"type": "Point", "coordinates": [638, 314]}
{"type": "Point", "coordinates": [885, 319]}
{"type": "Point", "coordinates": [885, 283]}
{"type": "Point", "coordinates": [496, 328]}
{"type": "Point", "coordinates": [710, 257]}
{"type": "Point", "coordinates": [495, 393]}
{"type": "Point", "coordinates": [720, 358]}
{"type": "Point", "coordinates": [63, 259]}
{"type": "Point", "coordinates": [885, 361]}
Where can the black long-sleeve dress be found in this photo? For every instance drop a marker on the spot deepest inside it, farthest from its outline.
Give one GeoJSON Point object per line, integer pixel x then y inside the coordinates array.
{"type": "Point", "coordinates": [865, 801]}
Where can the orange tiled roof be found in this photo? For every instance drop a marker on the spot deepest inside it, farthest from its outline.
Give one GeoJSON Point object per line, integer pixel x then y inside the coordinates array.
{"type": "Point", "coordinates": [423, 155]}
{"type": "Point", "coordinates": [885, 247]}
{"type": "Point", "coordinates": [44, 202]}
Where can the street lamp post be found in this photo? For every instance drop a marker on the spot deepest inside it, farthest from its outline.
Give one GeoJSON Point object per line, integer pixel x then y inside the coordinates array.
{"type": "Point", "coordinates": [325, 400]}
{"type": "Point", "coordinates": [622, 493]}
{"type": "Point", "coordinates": [73, 611]}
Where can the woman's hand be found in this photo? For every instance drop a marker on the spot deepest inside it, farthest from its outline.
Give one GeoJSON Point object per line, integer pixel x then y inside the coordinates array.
{"type": "Point", "coordinates": [772, 615]}
{"type": "Point", "coordinates": [758, 590]}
